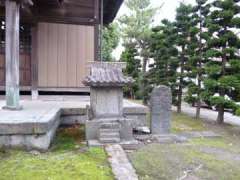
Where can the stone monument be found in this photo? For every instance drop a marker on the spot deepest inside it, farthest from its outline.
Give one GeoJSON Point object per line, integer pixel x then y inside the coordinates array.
{"type": "Point", "coordinates": [160, 105]}
{"type": "Point", "coordinates": [106, 123]}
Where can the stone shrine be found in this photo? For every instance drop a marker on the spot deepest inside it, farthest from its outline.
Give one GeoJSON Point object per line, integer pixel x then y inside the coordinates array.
{"type": "Point", "coordinates": [107, 123]}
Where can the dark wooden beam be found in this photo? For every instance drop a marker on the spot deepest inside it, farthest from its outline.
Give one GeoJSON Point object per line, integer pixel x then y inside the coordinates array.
{"type": "Point", "coordinates": [70, 10]}
{"type": "Point", "coordinates": [67, 20]}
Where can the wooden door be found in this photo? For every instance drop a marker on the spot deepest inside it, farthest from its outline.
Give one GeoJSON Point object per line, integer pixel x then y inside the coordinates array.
{"type": "Point", "coordinates": [24, 58]}
{"type": "Point", "coordinates": [25, 69]}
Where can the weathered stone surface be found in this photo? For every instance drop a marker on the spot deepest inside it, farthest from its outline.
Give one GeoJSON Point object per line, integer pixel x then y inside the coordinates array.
{"type": "Point", "coordinates": [106, 105]}
{"type": "Point", "coordinates": [136, 112]}
{"type": "Point", "coordinates": [34, 127]}
{"type": "Point", "coordinates": [77, 111]}
{"type": "Point", "coordinates": [93, 127]}
{"type": "Point", "coordinates": [107, 74]}
{"type": "Point", "coordinates": [106, 102]}
{"type": "Point", "coordinates": [73, 119]}
{"type": "Point", "coordinates": [122, 168]}
{"type": "Point", "coordinates": [160, 107]}
{"type": "Point", "coordinates": [30, 141]}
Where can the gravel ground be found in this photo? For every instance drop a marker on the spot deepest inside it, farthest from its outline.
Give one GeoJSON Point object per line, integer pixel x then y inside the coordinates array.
{"type": "Point", "coordinates": [210, 114]}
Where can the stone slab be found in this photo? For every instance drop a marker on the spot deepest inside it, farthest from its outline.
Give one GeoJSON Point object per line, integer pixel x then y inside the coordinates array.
{"type": "Point", "coordinates": [30, 141]}
{"type": "Point", "coordinates": [160, 108]}
{"type": "Point", "coordinates": [96, 143]}
{"type": "Point", "coordinates": [121, 166]}
{"type": "Point", "coordinates": [37, 116]}
{"type": "Point", "coordinates": [36, 124]}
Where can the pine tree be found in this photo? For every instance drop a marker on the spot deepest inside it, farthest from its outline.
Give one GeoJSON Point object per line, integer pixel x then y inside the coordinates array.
{"type": "Point", "coordinates": [197, 49]}
{"type": "Point", "coordinates": [136, 27]}
{"type": "Point", "coordinates": [110, 41]}
{"type": "Point", "coordinates": [183, 26]}
{"type": "Point", "coordinates": [164, 52]}
{"type": "Point", "coordinates": [129, 55]}
{"type": "Point", "coordinates": [224, 45]}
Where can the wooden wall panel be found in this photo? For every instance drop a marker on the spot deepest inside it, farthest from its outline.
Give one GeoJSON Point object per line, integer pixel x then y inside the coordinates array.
{"type": "Point", "coordinates": [63, 54]}
{"type": "Point", "coordinates": [81, 48]}
{"type": "Point", "coordinates": [71, 52]}
{"type": "Point", "coordinates": [52, 59]}
{"type": "Point", "coordinates": [42, 53]}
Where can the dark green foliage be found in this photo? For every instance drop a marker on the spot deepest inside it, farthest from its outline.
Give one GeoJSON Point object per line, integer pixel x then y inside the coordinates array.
{"type": "Point", "coordinates": [237, 112]}
{"type": "Point", "coordinates": [184, 31]}
{"type": "Point", "coordinates": [164, 52]}
{"type": "Point", "coordinates": [136, 28]}
{"type": "Point", "coordinates": [222, 70]}
{"type": "Point", "coordinates": [197, 53]}
{"type": "Point", "coordinates": [110, 41]}
{"type": "Point", "coordinates": [132, 69]}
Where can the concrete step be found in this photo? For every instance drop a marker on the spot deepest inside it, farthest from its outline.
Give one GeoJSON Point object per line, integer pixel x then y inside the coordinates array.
{"type": "Point", "coordinates": [110, 125]}
{"type": "Point", "coordinates": [109, 140]}
{"type": "Point", "coordinates": [109, 135]}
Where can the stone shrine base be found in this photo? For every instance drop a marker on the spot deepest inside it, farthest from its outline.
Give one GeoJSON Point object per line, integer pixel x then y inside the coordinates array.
{"type": "Point", "coordinates": [35, 126]}
{"type": "Point", "coordinates": [109, 130]}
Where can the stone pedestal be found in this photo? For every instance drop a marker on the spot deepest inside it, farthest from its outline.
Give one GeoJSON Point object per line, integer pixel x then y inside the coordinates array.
{"type": "Point", "coordinates": [160, 105]}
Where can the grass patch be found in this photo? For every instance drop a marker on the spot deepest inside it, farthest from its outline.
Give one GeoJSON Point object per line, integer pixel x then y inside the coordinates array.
{"type": "Point", "coordinates": [214, 143]}
{"type": "Point", "coordinates": [67, 159]}
{"type": "Point", "coordinates": [182, 122]}
{"type": "Point", "coordinates": [169, 162]}
{"type": "Point", "coordinates": [217, 158]}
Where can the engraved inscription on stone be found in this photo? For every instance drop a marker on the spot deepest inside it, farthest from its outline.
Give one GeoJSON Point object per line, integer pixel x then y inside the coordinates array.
{"type": "Point", "coordinates": [160, 105]}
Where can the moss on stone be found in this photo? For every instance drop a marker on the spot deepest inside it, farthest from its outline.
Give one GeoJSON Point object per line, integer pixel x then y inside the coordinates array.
{"type": "Point", "coordinates": [68, 159]}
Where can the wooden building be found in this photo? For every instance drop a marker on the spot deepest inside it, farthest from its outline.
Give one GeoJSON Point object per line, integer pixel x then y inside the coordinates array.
{"type": "Point", "coordinates": [46, 45]}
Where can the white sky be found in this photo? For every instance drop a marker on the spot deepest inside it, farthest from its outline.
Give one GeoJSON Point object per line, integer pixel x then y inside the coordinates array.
{"type": "Point", "coordinates": [167, 11]}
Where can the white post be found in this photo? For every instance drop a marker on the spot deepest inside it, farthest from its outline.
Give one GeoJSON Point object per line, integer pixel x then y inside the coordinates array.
{"type": "Point", "coordinates": [12, 55]}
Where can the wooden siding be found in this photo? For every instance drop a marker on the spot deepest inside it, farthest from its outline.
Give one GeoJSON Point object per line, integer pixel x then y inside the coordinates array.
{"type": "Point", "coordinates": [63, 54]}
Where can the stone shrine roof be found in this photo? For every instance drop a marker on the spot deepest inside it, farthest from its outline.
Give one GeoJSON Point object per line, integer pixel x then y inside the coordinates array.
{"type": "Point", "coordinates": [107, 74]}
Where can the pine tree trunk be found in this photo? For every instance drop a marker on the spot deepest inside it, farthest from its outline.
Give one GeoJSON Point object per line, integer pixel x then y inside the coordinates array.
{"type": "Point", "coordinates": [144, 65]}
{"type": "Point", "coordinates": [143, 82]}
{"type": "Point", "coordinates": [180, 89]}
{"type": "Point", "coordinates": [179, 94]}
{"type": "Point", "coordinates": [179, 104]}
{"type": "Point", "coordinates": [198, 110]}
{"type": "Point", "coordinates": [220, 118]}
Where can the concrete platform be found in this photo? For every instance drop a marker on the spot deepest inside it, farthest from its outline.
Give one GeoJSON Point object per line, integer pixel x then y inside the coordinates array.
{"type": "Point", "coordinates": [34, 127]}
